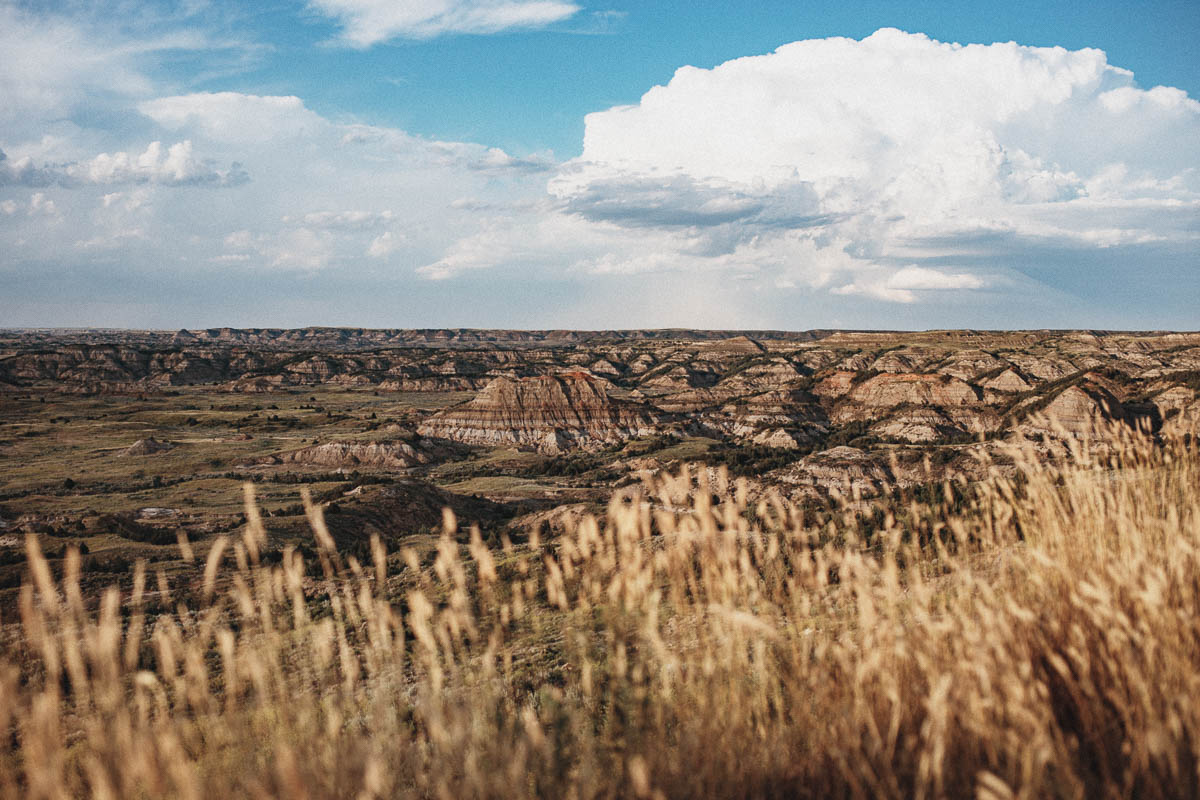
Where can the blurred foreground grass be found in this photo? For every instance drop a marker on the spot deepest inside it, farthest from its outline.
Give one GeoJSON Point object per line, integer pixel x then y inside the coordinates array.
{"type": "Point", "coordinates": [1035, 635]}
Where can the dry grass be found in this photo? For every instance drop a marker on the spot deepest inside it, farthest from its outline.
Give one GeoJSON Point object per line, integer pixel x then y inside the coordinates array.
{"type": "Point", "coordinates": [1040, 639]}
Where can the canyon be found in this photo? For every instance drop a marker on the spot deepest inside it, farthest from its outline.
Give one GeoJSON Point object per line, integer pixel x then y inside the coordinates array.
{"type": "Point", "coordinates": [125, 439]}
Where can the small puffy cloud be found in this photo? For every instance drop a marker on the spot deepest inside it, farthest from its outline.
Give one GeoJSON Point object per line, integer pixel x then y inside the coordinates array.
{"type": "Point", "coordinates": [384, 245]}
{"type": "Point", "coordinates": [39, 204]}
{"type": "Point", "coordinates": [369, 22]}
{"type": "Point", "coordinates": [239, 240]}
{"type": "Point", "coordinates": [493, 159]}
{"type": "Point", "coordinates": [176, 165]}
{"type": "Point", "coordinates": [296, 248]}
{"type": "Point", "coordinates": [127, 201]}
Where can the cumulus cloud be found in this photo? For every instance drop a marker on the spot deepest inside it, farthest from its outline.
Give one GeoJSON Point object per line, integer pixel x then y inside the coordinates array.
{"type": "Point", "coordinates": [304, 211]}
{"type": "Point", "coordinates": [297, 249]}
{"type": "Point", "coordinates": [897, 146]}
{"type": "Point", "coordinates": [175, 165]}
{"type": "Point", "coordinates": [40, 205]}
{"type": "Point", "coordinates": [368, 22]}
{"type": "Point", "coordinates": [899, 117]}
{"type": "Point", "coordinates": [249, 122]}
{"type": "Point", "coordinates": [895, 169]}
{"type": "Point", "coordinates": [384, 245]}
{"type": "Point", "coordinates": [235, 117]}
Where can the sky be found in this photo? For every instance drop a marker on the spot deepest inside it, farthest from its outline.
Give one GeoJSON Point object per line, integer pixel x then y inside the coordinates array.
{"type": "Point", "coordinates": [570, 164]}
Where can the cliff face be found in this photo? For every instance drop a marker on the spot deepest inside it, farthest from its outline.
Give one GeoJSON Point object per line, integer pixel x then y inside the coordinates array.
{"type": "Point", "coordinates": [892, 389]}
{"type": "Point", "coordinates": [921, 407]}
{"type": "Point", "coordinates": [1087, 409]}
{"type": "Point", "coordinates": [1179, 410]}
{"type": "Point", "coordinates": [549, 413]}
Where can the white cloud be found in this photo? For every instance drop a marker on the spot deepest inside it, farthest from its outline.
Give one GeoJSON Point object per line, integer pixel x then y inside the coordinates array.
{"type": "Point", "coordinates": [235, 117]}
{"type": "Point", "coordinates": [384, 245]}
{"type": "Point", "coordinates": [892, 117]}
{"type": "Point", "coordinates": [302, 249]}
{"type": "Point", "coordinates": [302, 212]}
{"type": "Point", "coordinates": [40, 205]}
{"type": "Point", "coordinates": [914, 277]}
{"type": "Point", "coordinates": [902, 286]}
{"type": "Point", "coordinates": [51, 64]}
{"type": "Point", "coordinates": [247, 123]}
{"type": "Point", "coordinates": [239, 240]}
{"type": "Point", "coordinates": [345, 220]}
{"type": "Point", "coordinates": [867, 152]}
{"type": "Point", "coordinates": [368, 22]}
{"type": "Point", "coordinates": [115, 240]}
{"type": "Point", "coordinates": [294, 248]}
{"type": "Point", "coordinates": [173, 166]}
{"type": "Point", "coordinates": [893, 169]}
{"type": "Point", "coordinates": [92, 55]}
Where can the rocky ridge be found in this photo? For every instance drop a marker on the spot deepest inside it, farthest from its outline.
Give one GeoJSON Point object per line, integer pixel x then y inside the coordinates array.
{"type": "Point", "coordinates": [550, 413]}
{"type": "Point", "coordinates": [802, 390]}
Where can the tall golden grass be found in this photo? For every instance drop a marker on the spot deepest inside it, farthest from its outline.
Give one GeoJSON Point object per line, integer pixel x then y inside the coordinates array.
{"type": "Point", "coordinates": [1033, 636]}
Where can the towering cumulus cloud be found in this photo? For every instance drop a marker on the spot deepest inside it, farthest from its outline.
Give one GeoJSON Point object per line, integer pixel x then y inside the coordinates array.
{"type": "Point", "coordinates": [845, 163]}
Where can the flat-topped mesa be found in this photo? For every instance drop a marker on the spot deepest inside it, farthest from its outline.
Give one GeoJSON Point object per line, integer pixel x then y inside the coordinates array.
{"type": "Point", "coordinates": [549, 413]}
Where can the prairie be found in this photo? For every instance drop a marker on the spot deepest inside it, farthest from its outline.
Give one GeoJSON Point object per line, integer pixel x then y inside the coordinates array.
{"type": "Point", "coordinates": [1031, 634]}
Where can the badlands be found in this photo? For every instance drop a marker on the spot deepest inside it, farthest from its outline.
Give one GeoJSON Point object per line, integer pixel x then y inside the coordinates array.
{"type": "Point", "coordinates": [122, 440]}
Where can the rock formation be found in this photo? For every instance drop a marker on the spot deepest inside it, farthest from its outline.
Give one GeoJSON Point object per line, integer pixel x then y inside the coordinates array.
{"type": "Point", "coordinates": [1083, 410]}
{"type": "Point", "coordinates": [377, 455]}
{"type": "Point", "coordinates": [773, 388]}
{"type": "Point", "coordinates": [550, 413]}
{"type": "Point", "coordinates": [1179, 410]}
{"type": "Point", "coordinates": [147, 447]}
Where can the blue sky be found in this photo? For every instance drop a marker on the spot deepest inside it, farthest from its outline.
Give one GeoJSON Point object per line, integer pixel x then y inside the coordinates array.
{"type": "Point", "coordinates": [371, 162]}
